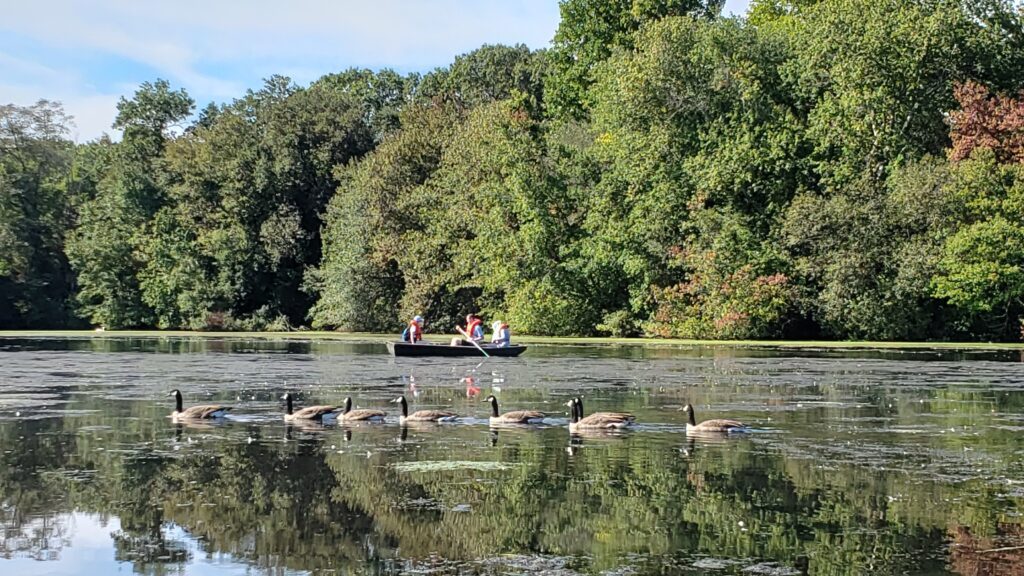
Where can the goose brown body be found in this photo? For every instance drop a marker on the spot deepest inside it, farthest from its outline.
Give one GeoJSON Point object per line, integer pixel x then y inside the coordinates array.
{"type": "Point", "coordinates": [423, 415]}
{"type": "Point", "coordinates": [310, 413]}
{"type": "Point", "coordinates": [597, 420]}
{"type": "Point", "coordinates": [361, 415]}
{"type": "Point", "coordinates": [515, 417]}
{"type": "Point", "coordinates": [199, 412]}
{"type": "Point", "coordinates": [716, 426]}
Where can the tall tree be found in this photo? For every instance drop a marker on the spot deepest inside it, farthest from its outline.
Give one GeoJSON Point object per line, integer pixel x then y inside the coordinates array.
{"type": "Point", "coordinates": [695, 118]}
{"type": "Point", "coordinates": [382, 95]}
{"type": "Point", "coordinates": [488, 74]}
{"type": "Point", "coordinates": [590, 30]}
{"type": "Point", "coordinates": [104, 247]}
{"type": "Point", "coordinates": [35, 160]}
{"type": "Point", "coordinates": [369, 226]}
{"type": "Point", "coordinates": [231, 246]}
{"type": "Point", "coordinates": [500, 226]}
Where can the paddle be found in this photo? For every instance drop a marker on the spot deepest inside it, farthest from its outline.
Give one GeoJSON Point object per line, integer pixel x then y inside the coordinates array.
{"type": "Point", "coordinates": [471, 341]}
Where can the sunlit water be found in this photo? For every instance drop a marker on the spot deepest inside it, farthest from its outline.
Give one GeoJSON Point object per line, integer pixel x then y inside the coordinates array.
{"type": "Point", "coordinates": [859, 463]}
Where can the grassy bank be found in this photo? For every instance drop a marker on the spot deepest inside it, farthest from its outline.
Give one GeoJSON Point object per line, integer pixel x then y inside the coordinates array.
{"type": "Point", "coordinates": [310, 335]}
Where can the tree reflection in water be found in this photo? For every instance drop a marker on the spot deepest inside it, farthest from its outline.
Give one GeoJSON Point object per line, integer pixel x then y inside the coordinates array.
{"type": "Point", "coordinates": [846, 499]}
{"type": "Point", "coordinates": [298, 503]}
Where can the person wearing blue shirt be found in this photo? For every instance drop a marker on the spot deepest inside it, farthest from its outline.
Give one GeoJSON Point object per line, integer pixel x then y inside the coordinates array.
{"type": "Point", "coordinates": [474, 328]}
{"type": "Point", "coordinates": [414, 331]}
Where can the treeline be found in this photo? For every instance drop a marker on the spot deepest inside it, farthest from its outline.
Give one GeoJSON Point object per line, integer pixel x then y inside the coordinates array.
{"type": "Point", "coordinates": [834, 168]}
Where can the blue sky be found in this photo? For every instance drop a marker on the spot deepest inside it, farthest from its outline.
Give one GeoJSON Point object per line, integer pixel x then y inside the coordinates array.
{"type": "Point", "coordinates": [88, 54]}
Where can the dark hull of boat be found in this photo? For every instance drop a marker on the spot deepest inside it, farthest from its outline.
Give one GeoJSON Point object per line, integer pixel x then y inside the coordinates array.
{"type": "Point", "coordinates": [424, 349]}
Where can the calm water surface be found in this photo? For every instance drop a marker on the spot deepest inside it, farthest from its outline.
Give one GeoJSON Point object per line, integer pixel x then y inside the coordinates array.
{"type": "Point", "coordinates": [860, 463]}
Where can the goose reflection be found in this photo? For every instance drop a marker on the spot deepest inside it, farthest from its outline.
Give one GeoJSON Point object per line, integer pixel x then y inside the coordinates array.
{"type": "Point", "coordinates": [425, 427]}
{"type": "Point", "coordinates": [575, 443]}
{"type": "Point", "coordinates": [688, 449]}
{"type": "Point", "coordinates": [195, 426]}
{"type": "Point", "coordinates": [295, 429]}
{"type": "Point", "coordinates": [710, 440]}
{"type": "Point", "coordinates": [201, 424]}
{"type": "Point", "coordinates": [577, 437]}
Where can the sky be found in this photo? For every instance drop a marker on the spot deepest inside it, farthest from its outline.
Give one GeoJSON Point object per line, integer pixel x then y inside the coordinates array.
{"type": "Point", "coordinates": [89, 54]}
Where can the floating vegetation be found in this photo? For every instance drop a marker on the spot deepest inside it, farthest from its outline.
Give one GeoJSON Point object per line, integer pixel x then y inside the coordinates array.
{"type": "Point", "coordinates": [529, 564]}
{"type": "Point", "coordinates": [715, 563]}
{"type": "Point", "coordinates": [771, 569]}
{"type": "Point", "coordinates": [451, 465]}
{"type": "Point", "coordinates": [422, 504]}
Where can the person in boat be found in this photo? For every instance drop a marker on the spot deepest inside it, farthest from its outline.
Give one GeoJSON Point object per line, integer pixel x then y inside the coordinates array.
{"type": "Point", "coordinates": [474, 328]}
{"type": "Point", "coordinates": [501, 336]}
{"type": "Point", "coordinates": [413, 333]}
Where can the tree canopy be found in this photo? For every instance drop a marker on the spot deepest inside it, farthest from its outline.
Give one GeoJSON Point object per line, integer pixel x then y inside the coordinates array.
{"type": "Point", "coordinates": [829, 168]}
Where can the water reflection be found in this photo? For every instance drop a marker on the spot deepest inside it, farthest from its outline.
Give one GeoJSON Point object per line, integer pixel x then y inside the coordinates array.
{"type": "Point", "coordinates": [857, 466]}
{"type": "Point", "coordinates": [235, 345]}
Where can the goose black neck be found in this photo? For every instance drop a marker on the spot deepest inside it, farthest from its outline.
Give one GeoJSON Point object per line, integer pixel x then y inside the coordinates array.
{"type": "Point", "coordinates": [288, 403]}
{"type": "Point", "coordinates": [579, 407]}
{"type": "Point", "coordinates": [494, 407]}
{"type": "Point", "coordinates": [693, 419]}
{"type": "Point", "coordinates": [405, 407]}
{"type": "Point", "coordinates": [177, 401]}
{"type": "Point", "coordinates": [574, 415]}
{"type": "Point", "coordinates": [348, 405]}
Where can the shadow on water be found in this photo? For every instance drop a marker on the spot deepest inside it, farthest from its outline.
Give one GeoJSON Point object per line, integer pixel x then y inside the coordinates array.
{"type": "Point", "coordinates": [856, 466]}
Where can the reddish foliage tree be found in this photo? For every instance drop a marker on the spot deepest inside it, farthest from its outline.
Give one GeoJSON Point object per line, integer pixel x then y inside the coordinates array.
{"type": "Point", "coordinates": [985, 120]}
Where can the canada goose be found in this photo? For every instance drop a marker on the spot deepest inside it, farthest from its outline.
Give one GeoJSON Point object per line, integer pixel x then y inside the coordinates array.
{"type": "Point", "coordinates": [706, 426]}
{"type": "Point", "coordinates": [517, 417]}
{"type": "Point", "coordinates": [317, 413]}
{"type": "Point", "coordinates": [629, 418]}
{"type": "Point", "coordinates": [202, 411]}
{"type": "Point", "coordinates": [597, 420]}
{"type": "Point", "coordinates": [423, 415]}
{"type": "Point", "coordinates": [362, 415]}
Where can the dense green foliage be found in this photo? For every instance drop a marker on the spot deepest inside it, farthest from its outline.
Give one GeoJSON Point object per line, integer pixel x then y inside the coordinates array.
{"type": "Point", "coordinates": [35, 160]}
{"type": "Point", "coordinates": [833, 168]}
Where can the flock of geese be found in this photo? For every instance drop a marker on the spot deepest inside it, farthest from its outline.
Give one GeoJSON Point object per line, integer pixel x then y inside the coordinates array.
{"type": "Point", "coordinates": [345, 413]}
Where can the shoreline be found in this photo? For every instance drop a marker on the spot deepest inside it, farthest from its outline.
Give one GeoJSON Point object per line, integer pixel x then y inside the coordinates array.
{"type": "Point", "coordinates": [536, 340]}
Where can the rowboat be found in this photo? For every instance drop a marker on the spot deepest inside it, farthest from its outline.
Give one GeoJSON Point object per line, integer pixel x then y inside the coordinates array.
{"type": "Point", "coordinates": [428, 349]}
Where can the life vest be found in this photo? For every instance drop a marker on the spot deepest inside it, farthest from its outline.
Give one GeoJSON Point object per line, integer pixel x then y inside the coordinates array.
{"type": "Point", "coordinates": [412, 332]}
{"type": "Point", "coordinates": [502, 336]}
{"type": "Point", "coordinates": [473, 325]}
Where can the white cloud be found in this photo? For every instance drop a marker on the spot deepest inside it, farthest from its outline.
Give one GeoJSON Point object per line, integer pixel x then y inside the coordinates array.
{"type": "Point", "coordinates": [178, 38]}
{"type": "Point", "coordinates": [25, 83]}
{"type": "Point", "coordinates": [12, 65]}
{"type": "Point", "coordinates": [93, 112]}
{"type": "Point", "coordinates": [217, 49]}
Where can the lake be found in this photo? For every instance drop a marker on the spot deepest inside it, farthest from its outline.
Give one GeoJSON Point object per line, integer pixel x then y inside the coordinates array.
{"type": "Point", "coordinates": [859, 462]}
